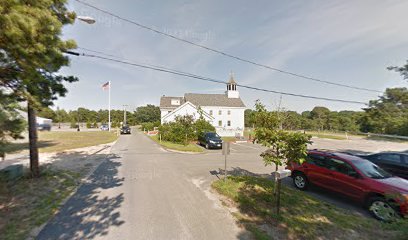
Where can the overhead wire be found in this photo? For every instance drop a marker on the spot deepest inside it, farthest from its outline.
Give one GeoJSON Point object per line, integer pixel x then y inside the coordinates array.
{"type": "Point", "coordinates": [225, 53]}
{"type": "Point", "coordinates": [202, 78]}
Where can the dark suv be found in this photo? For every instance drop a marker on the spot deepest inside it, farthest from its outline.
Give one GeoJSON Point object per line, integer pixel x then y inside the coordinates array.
{"type": "Point", "coordinates": [393, 162]}
{"type": "Point", "coordinates": [210, 140]}
{"type": "Point", "coordinates": [125, 130]}
{"type": "Point", "coordinates": [385, 195]}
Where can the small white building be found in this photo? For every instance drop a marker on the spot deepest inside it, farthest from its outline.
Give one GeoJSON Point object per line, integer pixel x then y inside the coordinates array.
{"type": "Point", "coordinates": [224, 111]}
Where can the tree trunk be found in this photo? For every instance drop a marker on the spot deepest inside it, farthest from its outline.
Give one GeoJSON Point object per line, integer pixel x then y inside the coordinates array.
{"type": "Point", "coordinates": [32, 134]}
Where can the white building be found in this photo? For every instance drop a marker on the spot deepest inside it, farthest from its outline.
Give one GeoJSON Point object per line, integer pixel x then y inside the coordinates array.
{"type": "Point", "coordinates": [224, 111]}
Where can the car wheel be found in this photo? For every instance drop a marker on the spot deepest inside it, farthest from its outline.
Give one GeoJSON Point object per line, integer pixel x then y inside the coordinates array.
{"type": "Point", "coordinates": [381, 209]}
{"type": "Point", "coordinates": [207, 146]}
{"type": "Point", "coordinates": [300, 181]}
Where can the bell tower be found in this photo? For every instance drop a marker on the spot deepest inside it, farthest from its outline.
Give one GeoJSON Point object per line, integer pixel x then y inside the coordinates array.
{"type": "Point", "coordinates": [232, 87]}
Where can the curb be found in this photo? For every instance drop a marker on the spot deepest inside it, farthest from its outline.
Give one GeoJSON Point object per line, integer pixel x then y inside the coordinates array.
{"type": "Point", "coordinates": [34, 232]}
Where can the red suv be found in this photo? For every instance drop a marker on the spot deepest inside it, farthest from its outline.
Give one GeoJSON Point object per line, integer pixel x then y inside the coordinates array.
{"type": "Point", "coordinates": [385, 195]}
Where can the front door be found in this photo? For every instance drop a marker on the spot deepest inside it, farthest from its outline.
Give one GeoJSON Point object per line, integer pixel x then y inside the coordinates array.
{"type": "Point", "coordinates": [345, 179]}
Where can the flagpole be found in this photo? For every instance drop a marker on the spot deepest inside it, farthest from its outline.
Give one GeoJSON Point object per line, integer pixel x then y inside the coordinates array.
{"type": "Point", "coordinates": [109, 107]}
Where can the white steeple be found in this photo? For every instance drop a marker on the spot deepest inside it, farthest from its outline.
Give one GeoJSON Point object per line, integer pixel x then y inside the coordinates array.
{"type": "Point", "coordinates": [232, 87]}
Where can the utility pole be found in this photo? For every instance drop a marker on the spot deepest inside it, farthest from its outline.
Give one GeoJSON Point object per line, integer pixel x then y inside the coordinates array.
{"type": "Point", "coordinates": [124, 114]}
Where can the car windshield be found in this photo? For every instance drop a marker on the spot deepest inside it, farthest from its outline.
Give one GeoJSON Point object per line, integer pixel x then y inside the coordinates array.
{"type": "Point", "coordinates": [213, 135]}
{"type": "Point", "coordinates": [371, 170]}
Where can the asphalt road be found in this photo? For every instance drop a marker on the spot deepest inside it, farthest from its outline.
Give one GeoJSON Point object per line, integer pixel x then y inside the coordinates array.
{"type": "Point", "coordinates": [145, 192]}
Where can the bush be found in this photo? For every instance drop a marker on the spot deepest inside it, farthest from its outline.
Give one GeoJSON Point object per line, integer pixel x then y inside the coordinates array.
{"type": "Point", "coordinates": [180, 131]}
{"type": "Point", "coordinates": [149, 126]}
{"type": "Point", "coordinates": [184, 130]}
{"type": "Point", "coordinates": [73, 125]}
{"type": "Point", "coordinates": [202, 126]}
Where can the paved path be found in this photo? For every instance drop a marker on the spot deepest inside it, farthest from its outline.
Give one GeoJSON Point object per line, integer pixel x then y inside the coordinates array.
{"type": "Point", "coordinates": [144, 192]}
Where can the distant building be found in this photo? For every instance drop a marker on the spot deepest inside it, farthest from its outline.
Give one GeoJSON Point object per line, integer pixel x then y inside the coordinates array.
{"type": "Point", "coordinates": [224, 111]}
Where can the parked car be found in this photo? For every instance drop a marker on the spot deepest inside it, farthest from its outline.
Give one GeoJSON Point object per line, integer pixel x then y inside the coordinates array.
{"type": "Point", "coordinates": [393, 162]}
{"type": "Point", "coordinates": [210, 140]}
{"type": "Point", "coordinates": [385, 195]}
{"type": "Point", "coordinates": [125, 129]}
{"type": "Point", "coordinates": [44, 127]}
{"type": "Point", "coordinates": [104, 127]}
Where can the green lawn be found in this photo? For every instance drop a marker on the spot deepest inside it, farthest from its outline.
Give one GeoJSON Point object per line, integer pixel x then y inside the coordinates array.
{"type": "Point", "coordinates": [229, 139]}
{"type": "Point", "coordinates": [302, 216]}
{"type": "Point", "coordinates": [192, 147]}
{"type": "Point", "coordinates": [28, 203]}
{"type": "Point", "coordinates": [327, 135]}
{"type": "Point", "coordinates": [60, 141]}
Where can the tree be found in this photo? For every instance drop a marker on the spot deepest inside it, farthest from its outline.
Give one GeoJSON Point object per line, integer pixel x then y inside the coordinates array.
{"type": "Point", "coordinates": [388, 114]}
{"type": "Point", "coordinates": [148, 113]}
{"type": "Point", "coordinates": [283, 147]}
{"type": "Point", "coordinates": [31, 57]}
{"type": "Point", "coordinates": [249, 117]}
{"type": "Point", "coordinates": [401, 70]}
{"type": "Point", "coordinates": [11, 123]}
{"type": "Point", "coordinates": [320, 116]}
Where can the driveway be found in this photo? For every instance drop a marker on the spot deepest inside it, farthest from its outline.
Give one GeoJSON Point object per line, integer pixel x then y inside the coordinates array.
{"type": "Point", "coordinates": [145, 192]}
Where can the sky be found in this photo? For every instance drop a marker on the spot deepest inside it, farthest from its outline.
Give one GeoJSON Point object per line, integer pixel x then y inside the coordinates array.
{"type": "Point", "coordinates": [347, 42]}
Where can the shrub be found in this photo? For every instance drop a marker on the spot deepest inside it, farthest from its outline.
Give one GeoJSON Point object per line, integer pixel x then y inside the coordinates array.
{"type": "Point", "coordinates": [180, 131]}
{"type": "Point", "coordinates": [201, 126]}
{"type": "Point", "coordinates": [149, 126]}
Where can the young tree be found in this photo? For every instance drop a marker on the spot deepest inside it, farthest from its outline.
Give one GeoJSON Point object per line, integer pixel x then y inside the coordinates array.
{"type": "Point", "coordinates": [31, 56]}
{"type": "Point", "coordinates": [283, 147]}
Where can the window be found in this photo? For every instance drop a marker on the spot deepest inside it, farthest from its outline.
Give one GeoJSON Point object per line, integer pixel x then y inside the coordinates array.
{"type": "Point", "coordinates": [211, 112]}
{"type": "Point", "coordinates": [220, 123]}
{"type": "Point", "coordinates": [219, 112]}
{"type": "Point", "coordinates": [229, 112]}
{"type": "Point", "coordinates": [340, 166]}
{"type": "Point", "coordinates": [175, 102]}
{"type": "Point", "coordinates": [392, 158]}
{"type": "Point", "coordinates": [316, 160]}
{"type": "Point", "coordinates": [229, 123]}
{"type": "Point", "coordinates": [371, 170]}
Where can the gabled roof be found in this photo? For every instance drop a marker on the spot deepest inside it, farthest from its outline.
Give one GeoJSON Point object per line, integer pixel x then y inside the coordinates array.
{"type": "Point", "coordinates": [165, 102]}
{"type": "Point", "coordinates": [178, 109]}
{"type": "Point", "coordinates": [217, 100]}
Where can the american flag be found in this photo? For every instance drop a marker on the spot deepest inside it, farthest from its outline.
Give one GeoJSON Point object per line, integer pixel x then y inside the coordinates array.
{"type": "Point", "coordinates": [105, 86]}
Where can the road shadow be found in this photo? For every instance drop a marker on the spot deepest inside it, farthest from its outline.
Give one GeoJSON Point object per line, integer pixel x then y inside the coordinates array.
{"type": "Point", "coordinates": [86, 215]}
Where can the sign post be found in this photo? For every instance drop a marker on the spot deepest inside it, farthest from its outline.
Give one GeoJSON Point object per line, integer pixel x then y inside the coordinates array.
{"type": "Point", "coordinates": [225, 151]}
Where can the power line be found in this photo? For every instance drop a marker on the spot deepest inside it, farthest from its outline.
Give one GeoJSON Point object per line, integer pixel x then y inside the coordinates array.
{"type": "Point", "coordinates": [190, 75]}
{"type": "Point", "coordinates": [224, 53]}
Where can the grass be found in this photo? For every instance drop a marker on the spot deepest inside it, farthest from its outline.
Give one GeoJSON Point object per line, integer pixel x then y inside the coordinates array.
{"type": "Point", "coordinates": [229, 139]}
{"type": "Point", "coordinates": [191, 147]}
{"type": "Point", "coordinates": [386, 139]}
{"type": "Point", "coordinates": [327, 135]}
{"type": "Point", "coordinates": [28, 203]}
{"type": "Point", "coordinates": [302, 216]}
{"type": "Point", "coordinates": [60, 141]}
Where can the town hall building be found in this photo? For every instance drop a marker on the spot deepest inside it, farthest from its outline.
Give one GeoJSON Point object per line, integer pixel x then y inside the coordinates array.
{"type": "Point", "coordinates": [224, 111]}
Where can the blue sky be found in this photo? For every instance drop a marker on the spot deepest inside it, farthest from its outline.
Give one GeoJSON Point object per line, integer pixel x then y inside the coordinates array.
{"type": "Point", "coordinates": [348, 42]}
